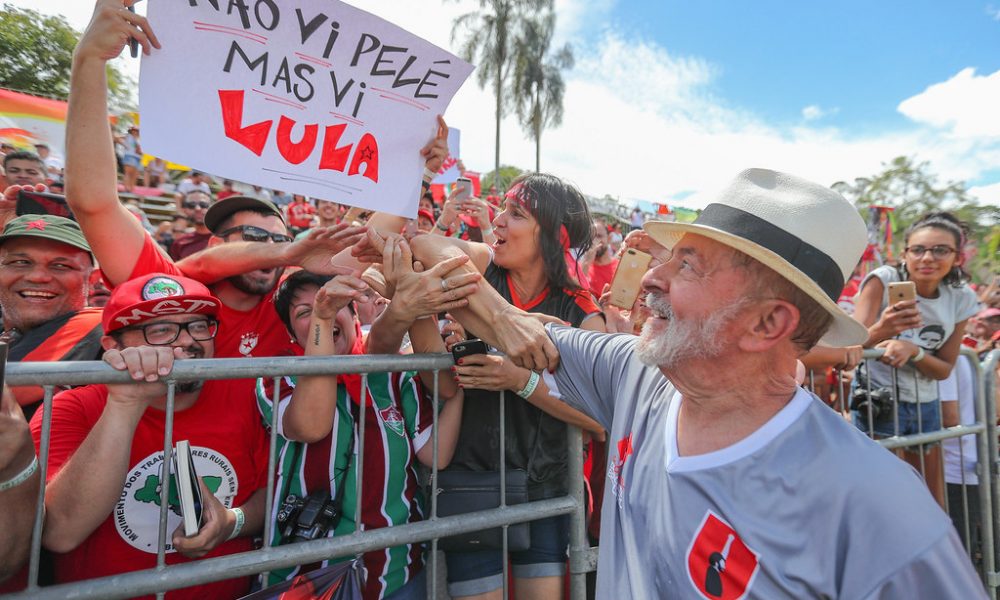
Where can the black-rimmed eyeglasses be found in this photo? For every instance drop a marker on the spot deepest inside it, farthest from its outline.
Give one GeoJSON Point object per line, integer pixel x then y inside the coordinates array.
{"type": "Point", "coordinates": [162, 334]}
{"type": "Point", "coordinates": [252, 233]}
{"type": "Point", "coordinates": [917, 252]}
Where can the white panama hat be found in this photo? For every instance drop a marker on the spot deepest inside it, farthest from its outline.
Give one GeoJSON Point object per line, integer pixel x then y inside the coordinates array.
{"type": "Point", "coordinates": [807, 233]}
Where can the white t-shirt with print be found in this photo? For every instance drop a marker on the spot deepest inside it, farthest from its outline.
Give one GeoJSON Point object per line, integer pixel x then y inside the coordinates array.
{"type": "Point", "coordinates": [940, 315]}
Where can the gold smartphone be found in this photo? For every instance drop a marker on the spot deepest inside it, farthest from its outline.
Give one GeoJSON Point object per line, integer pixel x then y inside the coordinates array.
{"type": "Point", "coordinates": [628, 278]}
{"type": "Point", "coordinates": [901, 291]}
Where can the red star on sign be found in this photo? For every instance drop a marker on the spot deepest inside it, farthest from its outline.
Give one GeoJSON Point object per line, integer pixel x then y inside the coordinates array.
{"type": "Point", "coordinates": [39, 224]}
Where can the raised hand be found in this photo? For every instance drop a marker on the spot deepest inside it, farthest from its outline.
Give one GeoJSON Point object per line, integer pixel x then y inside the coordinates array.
{"type": "Point", "coordinates": [314, 251]}
{"type": "Point", "coordinates": [338, 293]}
{"type": "Point", "coordinates": [110, 29]}
{"type": "Point", "coordinates": [436, 150]}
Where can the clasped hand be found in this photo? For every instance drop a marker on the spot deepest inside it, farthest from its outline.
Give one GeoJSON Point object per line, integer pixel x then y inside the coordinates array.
{"type": "Point", "coordinates": [490, 372]}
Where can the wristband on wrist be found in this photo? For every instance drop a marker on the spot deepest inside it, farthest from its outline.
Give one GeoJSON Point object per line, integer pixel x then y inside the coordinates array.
{"type": "Point", "coordinates": [21, 477]}
{"type": "Point", "coordinates": [919, 356]}
{"type": "Point", "coordinates": [529, 388]}
{"type": "Point", "coordinates": [429, 175]}
{"type": "Point", "coordinates": [241, 520]}
{"type": "Point", "coordinates": [443, 228]}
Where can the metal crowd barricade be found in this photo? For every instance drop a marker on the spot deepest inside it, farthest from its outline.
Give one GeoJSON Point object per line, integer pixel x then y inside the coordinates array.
{"type": "Point", "coordinates": [163, 577]}
{"type": "Point", "coordinates": [985, 430]}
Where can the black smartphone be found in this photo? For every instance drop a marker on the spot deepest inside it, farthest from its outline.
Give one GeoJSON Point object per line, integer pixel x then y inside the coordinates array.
{"type": "Point", "coordinates": [42, 203]}
{"type": "Point", "coordinates": [468, 348]}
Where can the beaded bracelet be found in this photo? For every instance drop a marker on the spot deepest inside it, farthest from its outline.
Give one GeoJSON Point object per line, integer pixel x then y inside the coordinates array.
{"type": "Point", "coordinates": [529, 388]}
{"type": "Point", "coordinates": [21, 477]}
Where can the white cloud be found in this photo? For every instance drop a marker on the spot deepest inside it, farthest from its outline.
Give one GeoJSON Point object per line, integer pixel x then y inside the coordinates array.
{"type": "Point", "coordinates": [963, 106]}
{"type": "Point", "coordinates": [993, 12]}
{"type": "Point", "coordinates": [814, 112]}
{"type": "Point", "coordinates": [987, 194]}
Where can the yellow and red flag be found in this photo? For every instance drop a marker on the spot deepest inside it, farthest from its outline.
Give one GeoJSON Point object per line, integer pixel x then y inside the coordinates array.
{"type": "Point", "coordinates": [27, 120]}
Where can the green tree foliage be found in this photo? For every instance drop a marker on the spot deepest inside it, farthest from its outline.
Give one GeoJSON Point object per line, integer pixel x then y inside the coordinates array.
{"type": "Point", "coordinates": [507, 174]}
{"type": "Point", "coordinates": [488, 40]}
{"type": "Point", "coordinates": [912, 190]}
{"type": "Point", "coordinates": [538, 83]}
{"type": "Point", "coordinates": [36, 54]}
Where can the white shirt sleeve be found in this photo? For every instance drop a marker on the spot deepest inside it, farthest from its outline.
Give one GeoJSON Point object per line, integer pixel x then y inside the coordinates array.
{"type": "Point", "coordinates": [948, 388]}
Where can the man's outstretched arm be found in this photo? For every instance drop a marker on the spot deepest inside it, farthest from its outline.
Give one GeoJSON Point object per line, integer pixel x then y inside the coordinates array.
{"type": "Point", "coordinates": [518, 334]}
{"type": "Point", "coordinates": [115, 236]}
{"type": "Point", "coordinates": [314, 253]}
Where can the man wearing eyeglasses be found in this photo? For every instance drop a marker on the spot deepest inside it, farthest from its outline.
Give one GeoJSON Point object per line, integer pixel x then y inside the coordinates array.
{"type": "Point", "coordinates": [105, 468]}
{"type": "Point", "coordinates": [194, 206]}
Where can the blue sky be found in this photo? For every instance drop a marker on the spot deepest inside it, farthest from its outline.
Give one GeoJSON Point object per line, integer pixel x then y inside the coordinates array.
{"type": "Point", "coordinates": [669, 99]}
{"type": "Point", "coordinates": [857, 58]}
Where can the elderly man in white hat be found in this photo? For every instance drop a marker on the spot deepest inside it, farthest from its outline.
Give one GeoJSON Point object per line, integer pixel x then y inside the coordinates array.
{"type": "Point", "coordinates": [726, 479]}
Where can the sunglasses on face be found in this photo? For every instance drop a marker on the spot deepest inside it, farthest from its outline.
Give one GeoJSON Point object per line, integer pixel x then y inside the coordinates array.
{"type": "Point", "coordinates": [196, 204]}
{"type": "Point", "coordinates": [161, 334]}
{"type": "Point", "coordinates": [252, 233]}
{"type": "Point", "coordinates": [916, 252]}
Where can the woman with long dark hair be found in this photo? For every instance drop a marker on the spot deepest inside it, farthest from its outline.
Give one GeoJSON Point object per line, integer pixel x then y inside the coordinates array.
{"type": "Point", "coordinates": [542, 217]}
{"type": "Point", "coordinates": [921, 337]}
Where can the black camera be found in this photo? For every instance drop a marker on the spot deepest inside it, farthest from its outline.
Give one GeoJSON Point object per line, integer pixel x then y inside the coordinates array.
{"type": "Point", "coordinates": [879, 399]}
{"type": "Point", "coordinates": [310, 518]}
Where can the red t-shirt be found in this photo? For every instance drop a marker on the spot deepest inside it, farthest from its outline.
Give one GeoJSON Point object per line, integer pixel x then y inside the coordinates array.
{"type": "Point", "coordinates": [230, 451]}
{"type": "Point", "coordinates": [225, 194]}
{"type": "Point", "coordinates": [188, 243]}
{"type": "Point", "coordinates": [300, 214]}
{"type": "Point", "coordinates": [600, 275]}
{"type": "Point", "coordinates": [254, 332]}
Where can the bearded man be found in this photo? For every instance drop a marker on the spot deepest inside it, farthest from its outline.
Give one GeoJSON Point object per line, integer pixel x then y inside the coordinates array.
{"type": "Point", "coordinates": [726, 480]}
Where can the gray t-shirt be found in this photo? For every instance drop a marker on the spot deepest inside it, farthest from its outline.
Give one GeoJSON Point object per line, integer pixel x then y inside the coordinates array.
{"type": "Point", "coordinates": [805, 507]}
{"type": "Point", "coordinates": [953, 305]}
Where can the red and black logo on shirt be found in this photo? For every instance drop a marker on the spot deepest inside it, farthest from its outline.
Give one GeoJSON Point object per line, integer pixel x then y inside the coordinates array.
{"type": "Point", "coordinates": [720, 565]}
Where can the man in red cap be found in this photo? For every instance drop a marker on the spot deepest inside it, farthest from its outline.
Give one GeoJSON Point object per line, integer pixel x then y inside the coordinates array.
{"type": "Point", "coordinates": [106, 446]}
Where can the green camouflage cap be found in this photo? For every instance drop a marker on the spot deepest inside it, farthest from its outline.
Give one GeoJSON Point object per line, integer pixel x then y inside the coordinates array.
{"type": "Point", "coordinates": [49, 227]}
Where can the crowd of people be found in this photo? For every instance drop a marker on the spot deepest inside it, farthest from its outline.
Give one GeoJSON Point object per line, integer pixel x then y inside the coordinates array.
{"type": "Point", "coordinates": [711, 471]}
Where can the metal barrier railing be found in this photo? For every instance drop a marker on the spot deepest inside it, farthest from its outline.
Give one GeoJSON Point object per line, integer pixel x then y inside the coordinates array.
{"type": "Point", "coordinates": [582, 558]}
{"type": "Point", "coordinates": [990, 469]}
{"type": "Point", "coordinates": [985, 430]}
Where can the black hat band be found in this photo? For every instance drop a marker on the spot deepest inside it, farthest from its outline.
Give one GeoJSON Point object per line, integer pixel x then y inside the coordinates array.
{"type": "Point", "coordinates": [800, 254]}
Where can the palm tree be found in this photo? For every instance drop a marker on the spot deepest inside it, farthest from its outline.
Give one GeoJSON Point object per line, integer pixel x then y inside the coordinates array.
{"type": "Point", "coordinates": [489, 42]}
{"type": "Point", "coordinates": [538, 84]}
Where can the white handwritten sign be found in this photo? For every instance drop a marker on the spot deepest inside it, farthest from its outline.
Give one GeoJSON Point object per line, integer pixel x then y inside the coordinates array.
{"type": "Point", "coordinates": [314, 97]}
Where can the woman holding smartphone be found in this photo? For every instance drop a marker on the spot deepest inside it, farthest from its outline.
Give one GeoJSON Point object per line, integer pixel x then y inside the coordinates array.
{"type": "Point", "coordinates": [921, 337]}
{"type": "Point", "coordinates": [542, 217]}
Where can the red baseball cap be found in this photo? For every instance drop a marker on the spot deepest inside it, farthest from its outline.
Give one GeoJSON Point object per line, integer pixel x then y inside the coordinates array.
{"type": "Point", "coordinates": [426, 214]}
{"type": "Point", "coordinates": [156, 295]}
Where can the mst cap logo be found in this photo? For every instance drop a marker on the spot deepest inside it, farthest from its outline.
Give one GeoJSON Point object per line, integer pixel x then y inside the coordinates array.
{"type": "Point", "coordinates": [720, 565]}
{"type": "Point", "coordinates": [161, 287]}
